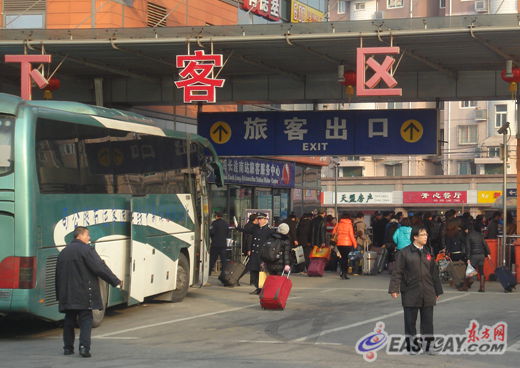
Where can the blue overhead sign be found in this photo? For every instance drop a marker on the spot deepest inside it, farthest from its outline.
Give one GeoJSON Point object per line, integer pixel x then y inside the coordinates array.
{"type": "Point", "coordinates": [317, 133]}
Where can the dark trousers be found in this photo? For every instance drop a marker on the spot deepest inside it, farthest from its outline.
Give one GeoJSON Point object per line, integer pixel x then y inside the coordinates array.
{"type": "Point", "coordinates": [410, 321]}
{"type": "Point", "coordinates": [344, 251]}
{"type": "Point", "coordinates": [307, 252]}
{"type": "Point", "coordinates": [214, 253]}
{"type": "Point", "coordinates": [84, 318]}
{"type": "Point", "coordinates": [254, 278]}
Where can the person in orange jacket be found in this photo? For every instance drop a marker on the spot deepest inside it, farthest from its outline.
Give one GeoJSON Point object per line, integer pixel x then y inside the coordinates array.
{"type": "Point", "coordinates": [345, 241]}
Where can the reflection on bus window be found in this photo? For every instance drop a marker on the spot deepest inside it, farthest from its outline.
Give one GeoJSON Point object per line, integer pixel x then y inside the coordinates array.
{"type": "Point", "coordinates": [6, 139]}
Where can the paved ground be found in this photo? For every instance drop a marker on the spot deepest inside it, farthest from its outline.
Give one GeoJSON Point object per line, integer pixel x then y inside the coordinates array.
{"type": "Point", "coordinates": [225, 327]}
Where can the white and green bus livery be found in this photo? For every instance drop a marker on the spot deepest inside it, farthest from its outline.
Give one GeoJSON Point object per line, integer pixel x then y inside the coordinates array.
{"type": "Point", "coordinates": [139, 188]}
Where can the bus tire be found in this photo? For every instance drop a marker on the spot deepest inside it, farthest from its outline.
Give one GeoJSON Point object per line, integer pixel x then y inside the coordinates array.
{"type": "Point", "coordinates": [98, 315]}
{"type": "Point", "coordinates": [183, 279]}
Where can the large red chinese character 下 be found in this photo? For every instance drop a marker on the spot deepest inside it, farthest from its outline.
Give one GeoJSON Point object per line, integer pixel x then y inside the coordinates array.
{"type": "Point", "coordinates": [381, 72]}
{"type": "Point", "coordinates": [196, 80]}
{"type": "Point", "coordinates": [27, 73]}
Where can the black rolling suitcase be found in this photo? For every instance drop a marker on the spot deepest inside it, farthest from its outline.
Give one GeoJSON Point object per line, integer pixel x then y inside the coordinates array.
{"type": "Point", "coordinates": [381, 259]}
{"type": "Point", "coordinates": [232, 273]}
{"type": "Point", "coordinates": [506, 278]}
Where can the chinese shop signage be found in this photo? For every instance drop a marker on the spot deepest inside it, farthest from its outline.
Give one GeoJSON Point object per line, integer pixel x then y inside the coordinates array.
{"type": "Point", "coordinates": [353, 132]}
{"type": "Point", "coordinates": [269, 9]}
{"type": "Point", "coordinates": [258, 172]}
{"type": "Point", "coordinates": [359, 198]}
{"type": "Point", "coordinates": [435, 197]}
{"type": "Point", "coordinates": [302, 13]}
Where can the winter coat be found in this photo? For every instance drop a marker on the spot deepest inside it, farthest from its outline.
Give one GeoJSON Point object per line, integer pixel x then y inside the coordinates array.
{"type": "Point", "coordinates": [456, 243]}
{"type": "Point", "coordinates": [219, 232]}
{"type": "Point", "coordinates": [360, 232]}
{"type": "Point", "coordinates": [304, 232]}
{"type": "Point", "coordinates": [379, 231]}
{"type": "Point", "coordinates": [276, 268]}
{"type": "Point", "coordinates": [318, 231]}
{"type": "Point", "coordinates": [293, 224]}
{"type": "Point", "coordinates": [475, 244]}
{"type": "Point", "coordinates": [402, 236]}
{"type": "Point", "coordinates": [77, 272]}
{"type": "Point", "coordinates": [416, 277]}
{"type": "Point", "coordinates": [345, 233]}
{"type": "Point", "coordinates": [492, 228]}
{"type": "Point", "coordinates": [248, 232]}
{"type": "Point", "coordinates": [259, 238]}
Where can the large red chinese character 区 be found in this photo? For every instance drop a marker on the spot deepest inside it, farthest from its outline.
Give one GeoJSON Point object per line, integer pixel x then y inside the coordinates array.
{"type": "Point", "coordinates": [27, 73]}
{"type": "Point", "coordinates": [381, 72]}
{"type": "Point", "coordinates": [197, 84]}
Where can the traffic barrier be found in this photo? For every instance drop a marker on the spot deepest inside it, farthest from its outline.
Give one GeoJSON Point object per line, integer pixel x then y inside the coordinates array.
{"type": "Point", "coordinates": [491, 265]}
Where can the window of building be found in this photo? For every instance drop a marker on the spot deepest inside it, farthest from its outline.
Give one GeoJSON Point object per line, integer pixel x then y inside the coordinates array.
{"type": "Point", "coordinates": [353, 158]}
{"type": "Point", "coordinates": [156, 15]}
{"type": "Point", "coordinates": [24, 21]}
{"type": "Point", "coordinates": [467, 104]}
{"type": "Point", "coordinates": [442, 4]}
{"type": "Point", "coordinates": [466, 168]}
{"type": "Point", "coordinates": [342, 6]}
{"type": "Point", "coordinates": [349, 172]}
{"type": "Point", "coordinates": [493, 169]}
{"type": "Point", "coordinates": [494, 151]}
{"type": "Point", "coordinates": [390, 4]}
{"type": "Point", "coordinates": [359, 6]}
{"type": "Point", "coordinates": [500, 115]}
{"type": "Point", "coordinates": [468, 134]}
{"type": "Point", "coordinates": [394, 170]}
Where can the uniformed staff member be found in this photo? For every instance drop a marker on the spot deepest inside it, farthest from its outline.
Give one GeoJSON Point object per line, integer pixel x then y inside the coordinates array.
{"type": "Point", "coordinates": [262, 234]}
{"type": "Point", "coordinates": [77, 289]}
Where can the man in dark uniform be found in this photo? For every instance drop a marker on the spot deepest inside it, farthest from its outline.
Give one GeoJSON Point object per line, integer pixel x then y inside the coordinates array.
{"type": "Point", "coordinates": [77, 289]}
{"type": "Point", "coordinates": [319, 230]}
{"type": "Point", "coordinates": [218, 232]}
{"type": "Point", "coordinates": [262, 234]}
{"type": "Point", "coordinates": [416, 277]}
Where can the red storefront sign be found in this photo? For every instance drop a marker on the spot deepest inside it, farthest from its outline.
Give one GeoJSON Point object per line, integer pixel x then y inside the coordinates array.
{"type": "Point", "coordinates": [269, 9]}
{"type": "Point", "coordinates": [436, 197]}
{"type": "Point", "coordinates": [196, 77]}
{"type": "Point", "coordinates": [382, 72]}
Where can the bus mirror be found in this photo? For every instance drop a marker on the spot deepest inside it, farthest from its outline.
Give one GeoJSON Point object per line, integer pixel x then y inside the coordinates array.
{"type": "Point", "coordinates": [219, 180]}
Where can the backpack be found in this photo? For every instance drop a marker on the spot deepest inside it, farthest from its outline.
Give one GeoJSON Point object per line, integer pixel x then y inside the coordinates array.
{"type": "Point", "coordinates": [271, 250]}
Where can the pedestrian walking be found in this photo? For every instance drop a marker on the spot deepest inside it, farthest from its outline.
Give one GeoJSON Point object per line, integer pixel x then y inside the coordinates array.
{"type": "Point", "coordinates": [262, 234]}
{"type": "Point", "coordinates": [218, 232]}
{"type": "Point", "coordinates": [304, 234]}
{"type": "Point", "coordinates": [278, 258]}
{"type": "Point", "coordinates": [402, 235]}
{"type": "Point", "coordinates": [416, 278]}
{"type": "Point", "coordinates": [77, 289]}
{"type": "Point", "coordinates": [477, 250]}
{"type": "Point", "coordinates": [345, 241]}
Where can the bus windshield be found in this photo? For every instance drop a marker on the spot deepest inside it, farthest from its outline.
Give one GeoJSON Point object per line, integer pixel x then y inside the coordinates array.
{"type": "Point", "coordinates": [6, 139]}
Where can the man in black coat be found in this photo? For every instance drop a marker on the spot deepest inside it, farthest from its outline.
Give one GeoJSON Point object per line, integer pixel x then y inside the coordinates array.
{"type": "Point", "coordinates": [416, 277]}
{"type": "Point", "coordinates": [248, 231]}
{"type": "Point", "coordinates": [319, 231]}
{"type": "Point", "coordinates": [77, 289]}
{"type": "Point", "coordinates": [262, 234]}
{"type": "Point", "coordinates": [218, 232]}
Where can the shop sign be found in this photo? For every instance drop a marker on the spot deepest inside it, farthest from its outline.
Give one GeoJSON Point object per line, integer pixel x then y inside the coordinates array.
{"type": "Point", "coordinates": [269, 9]}
{"type": "Point", "coordinates": [302, 13]}
{"type": "Point", "coordinates": [511, 192]}
{"type": "Point", "coordinates": [359, 198]}
{"type": "Point", "coordinates": [435, 197]}
{"type": "Point", "coordinates": [310, 195]}
{"type": "Point", "coordinates": [258, 172]}
{"type": "Point", "coordinates": [196, 76]}
{"type": "Point", "coordinates": [321, 133]}
{"type": "Point", "coordinates": [488, 196]}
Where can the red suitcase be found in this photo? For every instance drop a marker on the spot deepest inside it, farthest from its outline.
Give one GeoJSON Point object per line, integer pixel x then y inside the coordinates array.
{"type": "Point", "coordinates": [275, 292]}
{"type": "Point", "coordinates": [317, 267]}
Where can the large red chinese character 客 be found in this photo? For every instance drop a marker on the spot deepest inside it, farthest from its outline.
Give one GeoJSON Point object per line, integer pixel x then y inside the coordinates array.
{"type": "Point", "coordinates": [27, 73]}
{"type": "Point", "coordinates": [381, 72]}
{"type": "Point", "coordinates": [197, 84]}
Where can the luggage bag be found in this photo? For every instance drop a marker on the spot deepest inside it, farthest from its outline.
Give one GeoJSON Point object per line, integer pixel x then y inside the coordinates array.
{"type": "Point", "coordinates": [506, 278]}
{"type": "Point", "coordinates": [233, 272]}
{"type": "Point", "coordinates": [381, 259]}
{"type": "Point", "coordinates": [369, 263]}
{"type": "Point", "coordinates": [317, 267]}
{"type": "Point", "coordinates": [275, 292]}
{"type": "Point", "coordinates": [457, 272]}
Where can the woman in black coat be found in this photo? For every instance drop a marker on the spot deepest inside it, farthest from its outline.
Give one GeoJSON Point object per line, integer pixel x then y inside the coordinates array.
{"type": "Point", "coordinates": [477, 250]}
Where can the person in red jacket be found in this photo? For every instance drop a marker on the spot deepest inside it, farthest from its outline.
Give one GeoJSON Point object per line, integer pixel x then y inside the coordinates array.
{"type": "Point", "coordinates": [345, 241]}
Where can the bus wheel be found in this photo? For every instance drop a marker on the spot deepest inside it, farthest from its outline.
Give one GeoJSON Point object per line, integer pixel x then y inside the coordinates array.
{"type": "Point", "coordinates": [183, 279]}
{"type": "Point", "coordinates": [98, 315]}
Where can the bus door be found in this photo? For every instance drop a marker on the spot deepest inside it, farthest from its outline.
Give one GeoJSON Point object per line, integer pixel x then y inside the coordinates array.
{"type": "Point", "coordinates": [202, 244]}
{"type": "Point", "coordinates": [138, 255]}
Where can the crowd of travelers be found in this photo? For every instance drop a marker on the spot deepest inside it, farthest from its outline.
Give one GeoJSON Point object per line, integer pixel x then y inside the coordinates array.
{"type": "Point", "coordinates": [457, 238]}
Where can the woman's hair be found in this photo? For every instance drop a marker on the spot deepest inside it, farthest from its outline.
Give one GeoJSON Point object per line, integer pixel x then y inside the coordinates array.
{"type": "Point", "coordinates": [345, 215]}
{"type": "Point", "coordinates": [452, 228]}
{"type": "Point", "coordinates": [405, 221]}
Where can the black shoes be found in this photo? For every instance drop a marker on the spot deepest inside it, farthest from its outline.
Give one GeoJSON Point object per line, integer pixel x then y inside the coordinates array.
{"type": "Point", "coordinates": [344, 276]}
{"type": "Point", "coordinates": [68, 351]}
{"type": "Point", "coordinates": [84, 352]}
{"type": "Point", "coordinates": [256, 291]}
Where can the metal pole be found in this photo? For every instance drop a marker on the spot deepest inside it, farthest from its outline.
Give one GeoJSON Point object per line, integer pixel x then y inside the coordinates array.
{"type": "Point", "coordinates": [336, 189]}
{"type": "Point", "coordinates": [504, 196]}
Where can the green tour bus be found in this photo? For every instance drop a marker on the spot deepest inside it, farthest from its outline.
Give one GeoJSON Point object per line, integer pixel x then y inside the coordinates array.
{"type": "Point", "coordinates": [140, 189]}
